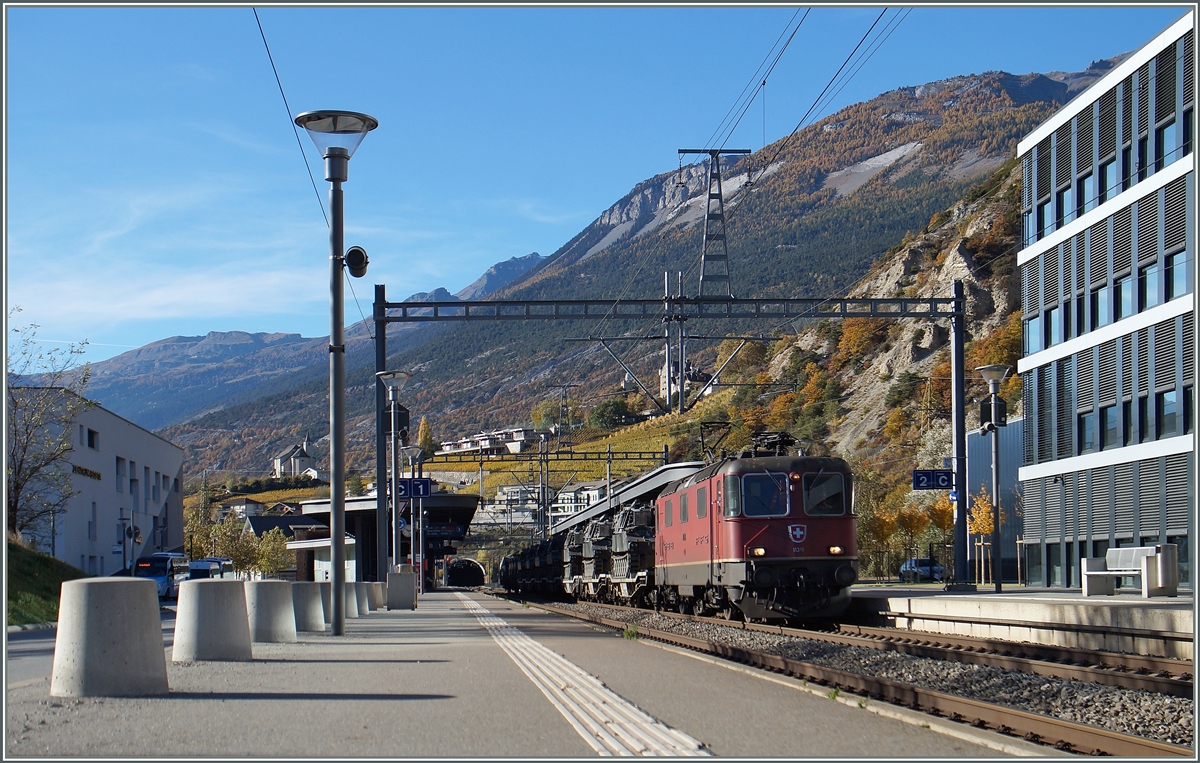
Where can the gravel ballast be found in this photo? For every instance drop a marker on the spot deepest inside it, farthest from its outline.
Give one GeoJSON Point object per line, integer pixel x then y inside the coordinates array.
{"type": "Point", "coordinates": [1150, 715]}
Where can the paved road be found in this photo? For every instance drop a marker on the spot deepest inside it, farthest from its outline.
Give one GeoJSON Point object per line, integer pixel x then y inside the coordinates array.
{"type": "Point", "coordinates": [30, 654]}
{"type": "Point", "coordinates": [469, 676]}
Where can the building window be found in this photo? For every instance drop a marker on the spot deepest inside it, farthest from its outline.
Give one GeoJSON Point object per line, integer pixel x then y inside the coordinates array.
{"type": "Point", "coordinates": [1101, 310]}
{"type": "Point", "coordinates": [1143, 161]}
{"type": "Point", "coordinates": [1127, 422]}
{"type": "Point", "coordinates": [93, 439]}
{"type": "Point", "coordinates": [1035, 571]}
{"type": "Point", "coordinates": [1080, 316]}
{"type": "Point", "coordinates": [1188, 411]}
{"type": "Point", "coordinates": [82, 437]}
{"type": "Point", "coordinates": [1033, 335]}
{"type": "Point", "coordinates": [120, 475]}
{"type": "Point", "coordinates": [1126, 168]}
{"type": "Point", "coordinates": [1087, 432]}
{"type": "Point", "coordinates": [1054, 333]}
{"type": "Point", "coordinates": [1166, 145]}
{"type": "Point", "coordinates": [1177, 275]}
{"type": "Point", "coordinates": [1143, 419]}
{"type": "Point", "coordinates": [1110, 432]}
{"type": "Point", "coordinates": [1045, 224]}
{"type": "Point", "coordinates": [1167, 414]}
{"type": "Point", "coordinates": [1065, 208]}
{"type": "Point", "coordinates": [1188, 128]}
{"type": "Point", "coordinates": [92, 526]}
{"type": "Point", "coordinates": [1086, 195]}
{"type": "Point", "coordinates": [1185, 563]}
{"type": "Point", "coordinates": [1030, 231]}
{"type": "Point", "coordinates": [1148, 287]}
{"type": "Point", "coordinates": [1109, 183]}
{"type": "Point", "coordinates": [1123, 297]}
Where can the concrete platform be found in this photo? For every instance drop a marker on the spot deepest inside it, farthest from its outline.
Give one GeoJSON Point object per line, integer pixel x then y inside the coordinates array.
{"type": "Point", "coordinates": [1125, 622]}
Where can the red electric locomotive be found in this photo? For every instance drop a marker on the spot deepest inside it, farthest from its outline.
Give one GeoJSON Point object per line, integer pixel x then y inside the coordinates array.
{"type": "Point", "coordinates": [769, 537]}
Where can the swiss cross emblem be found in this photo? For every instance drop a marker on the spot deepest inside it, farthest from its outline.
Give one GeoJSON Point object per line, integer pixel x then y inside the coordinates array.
{"type": "Point", "coordinates": [797, 532]}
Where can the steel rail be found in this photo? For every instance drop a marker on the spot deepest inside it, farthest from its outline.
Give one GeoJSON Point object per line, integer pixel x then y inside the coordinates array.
{"type": "Point", "coordinates": [1061, 734]}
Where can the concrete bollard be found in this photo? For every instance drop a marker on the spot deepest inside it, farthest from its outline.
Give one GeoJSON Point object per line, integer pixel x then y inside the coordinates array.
{"type": "Point", "coordinates": [310, 612]}
{"type": "Point", "coordinates": [350, 600]}
{"type": "Point", "coordinates": [361, 590]}
{"type": "Point", "coordinates": [211, 622]}
{"type": "Point", "coordinates": [402, 590]}
{"type": "Point", "coordinates": [271, 612]}
{"type": "Point", "coordinates": [378, 595]}
{"type": "Point", "coordinates": [327, 600]}
{"type": "Point", "coordinates": [109, 641]}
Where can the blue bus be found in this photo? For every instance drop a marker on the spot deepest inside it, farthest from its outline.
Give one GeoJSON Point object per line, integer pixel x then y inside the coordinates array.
{"type": "Point", "coordinates": [165, 568]}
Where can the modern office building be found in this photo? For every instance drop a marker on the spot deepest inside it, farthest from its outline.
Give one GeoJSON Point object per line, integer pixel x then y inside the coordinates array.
{"type": "Point", "coordinates": [127, 500]}
{"type": "Point", "coordinates": [1108, 274]}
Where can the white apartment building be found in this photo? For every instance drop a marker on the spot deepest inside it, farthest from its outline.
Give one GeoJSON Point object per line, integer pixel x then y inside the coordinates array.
{"type": "Point", "coordinates": [128, 500]}
{"type": "Point", "coordinates": [1108, 276]}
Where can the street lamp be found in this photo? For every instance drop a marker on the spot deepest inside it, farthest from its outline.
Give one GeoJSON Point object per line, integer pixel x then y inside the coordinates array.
{"type": "Point", "coordinates": [417, 531]}
{"type": "Point", "coordinates": [337, 134]}
{"type": "Point", "coordinates": [395, 381]}
{"type": "Point", "coordinates": [993, 375]}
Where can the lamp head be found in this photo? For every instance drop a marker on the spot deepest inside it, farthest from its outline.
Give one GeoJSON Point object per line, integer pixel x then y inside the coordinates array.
{"type": "Point", "coordinates": [394, 379]}
{"type": "Point", "coordinates": [336, 129]}
{"type": "Point", "coordinates": [994, 374]}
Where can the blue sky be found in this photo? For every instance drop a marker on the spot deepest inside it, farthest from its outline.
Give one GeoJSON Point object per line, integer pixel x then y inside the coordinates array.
{"type": "Point", "coordinates": [154, 186]}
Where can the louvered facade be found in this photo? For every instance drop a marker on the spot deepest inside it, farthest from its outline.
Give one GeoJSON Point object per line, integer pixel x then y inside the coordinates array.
{"type": "Point", "coordinates": [1108, 284]}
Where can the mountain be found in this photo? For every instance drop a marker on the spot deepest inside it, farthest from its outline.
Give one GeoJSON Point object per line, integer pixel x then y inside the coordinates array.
{"type": "Point", "coordinates": [808, 216]}
{"type": "Point", "coordinates": [500, 275]}
{"type": "Point", "coordinates": [180, 378]}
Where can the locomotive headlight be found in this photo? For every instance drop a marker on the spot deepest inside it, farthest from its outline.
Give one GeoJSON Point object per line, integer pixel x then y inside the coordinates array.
{"type": "Point", "coordinates": [836, 550]}
{"type": "Point", "coordinates": [758, 552]}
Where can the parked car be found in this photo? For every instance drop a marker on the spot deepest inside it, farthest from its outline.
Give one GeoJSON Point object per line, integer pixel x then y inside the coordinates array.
{"type": "Point", "coordinates": [917, 570]}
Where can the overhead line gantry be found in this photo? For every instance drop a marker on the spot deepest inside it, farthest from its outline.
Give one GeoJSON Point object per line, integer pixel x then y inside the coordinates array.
{"type": "Point", "coordinates": [695, 308]}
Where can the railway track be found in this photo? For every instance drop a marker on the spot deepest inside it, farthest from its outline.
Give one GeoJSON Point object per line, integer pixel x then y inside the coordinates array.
{"type": "Point", "coordinates": [1062, 734]}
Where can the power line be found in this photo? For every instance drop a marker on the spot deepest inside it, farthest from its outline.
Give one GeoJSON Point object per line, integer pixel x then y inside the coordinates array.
{"type": "Point", "coordinates": [304, 156]}
{"type": "Point", "coordinates": [288, 108]}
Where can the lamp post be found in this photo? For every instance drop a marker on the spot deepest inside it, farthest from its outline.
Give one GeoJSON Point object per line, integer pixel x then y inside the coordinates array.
{"type": "Point", "coordinates": [995, 374]}
{"type": "Point", "coordinates": [337, 134]}
{"type": "Point", "coordinates": [394, 381]}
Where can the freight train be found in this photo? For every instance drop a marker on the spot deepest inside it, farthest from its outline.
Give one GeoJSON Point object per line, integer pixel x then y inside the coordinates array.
{"type": "Point", "coordinates": [767, 535]}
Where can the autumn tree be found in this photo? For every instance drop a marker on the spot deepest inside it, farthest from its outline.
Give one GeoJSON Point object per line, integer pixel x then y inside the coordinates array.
{"type": "Point", "coordinates": [273, 555]}
{"type": "Point", "coordinates": [980, 519]}
{"type": "Point", "coordinates": [859, 337]}
{"type": "Point", "coordinates": [44, 397]}
{"type": "Point", "coordinates": [231, 542]}
{"type": "Point", "coordinates": [425, 438]}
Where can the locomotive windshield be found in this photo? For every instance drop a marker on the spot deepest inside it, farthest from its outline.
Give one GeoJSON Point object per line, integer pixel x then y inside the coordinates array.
{"type": "Point", "coordinates": [765, 495]}
{"type": "Point", "coordinates": [824, 495]}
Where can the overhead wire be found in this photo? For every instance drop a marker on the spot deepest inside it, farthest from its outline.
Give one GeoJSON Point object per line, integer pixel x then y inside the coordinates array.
{"type": "Point", "coordinates": [855, 60]}
{"type": "Point", "coordinates": [288, 108]}
{"type": "Point", "coordinates": [718, 130]}
{"type": "Point", "coordinates": [304, 156]}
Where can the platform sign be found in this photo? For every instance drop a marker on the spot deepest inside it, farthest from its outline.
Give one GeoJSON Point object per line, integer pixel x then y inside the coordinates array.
{"type": "Point", "coordinates": [403, 487]}
{"type": "Point", "coordinates": [932, 479]}
{"type": "Point", "coordinates": [422, 487]}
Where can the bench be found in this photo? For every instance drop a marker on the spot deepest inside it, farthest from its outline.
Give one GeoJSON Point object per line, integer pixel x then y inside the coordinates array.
{"type": "Point", "coordinates": [1156, 566]}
